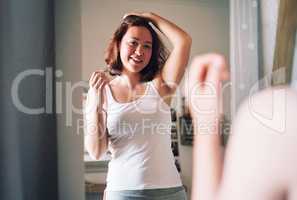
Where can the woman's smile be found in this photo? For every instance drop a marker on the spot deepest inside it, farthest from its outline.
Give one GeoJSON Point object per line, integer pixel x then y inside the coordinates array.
{"type": "Point", "coordinates": [136, 60]}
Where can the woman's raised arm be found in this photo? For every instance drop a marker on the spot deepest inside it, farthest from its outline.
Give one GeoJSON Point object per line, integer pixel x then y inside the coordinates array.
{"type": "Point", "coordinates": [174, 67]}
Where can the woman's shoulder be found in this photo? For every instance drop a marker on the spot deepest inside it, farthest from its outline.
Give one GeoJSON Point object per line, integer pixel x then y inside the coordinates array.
{"type": "Point", "coordinates": [113, 82]}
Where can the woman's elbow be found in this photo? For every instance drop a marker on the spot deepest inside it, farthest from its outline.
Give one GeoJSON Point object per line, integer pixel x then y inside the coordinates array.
{"type": "Point", "coordinates": [185, 41]}
{"type": "Point", "coordinates": [92, 151]}
{"type": "Point", "coordinates": [96, 150]}
{"type": "Point", "coordinates": [188, 39]}
{"type": "Point", "coordinates": [94, 154]}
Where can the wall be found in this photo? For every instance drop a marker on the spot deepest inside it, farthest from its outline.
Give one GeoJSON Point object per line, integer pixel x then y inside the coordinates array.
{"type": "Point", "coordinates": [68, 62]}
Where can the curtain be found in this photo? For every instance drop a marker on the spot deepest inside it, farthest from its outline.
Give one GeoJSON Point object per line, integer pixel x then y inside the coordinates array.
{"type": "Point", "coordinates": [294, 73]}
{"type": "Point", "coordinates": [28, 144]}
{"type": "Point", "coordinates": [244, 57]}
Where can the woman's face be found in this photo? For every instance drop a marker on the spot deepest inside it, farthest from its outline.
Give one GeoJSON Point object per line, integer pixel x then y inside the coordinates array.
{"type": "Point", "coordinates": [136, 48]}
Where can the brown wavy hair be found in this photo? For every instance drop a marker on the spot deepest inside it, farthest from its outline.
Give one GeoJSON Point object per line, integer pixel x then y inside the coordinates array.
{"type": "Point", "coordinates": [159, 51]}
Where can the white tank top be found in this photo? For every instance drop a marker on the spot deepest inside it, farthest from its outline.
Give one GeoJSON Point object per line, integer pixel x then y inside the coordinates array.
{"type": "Point", "coordinates": [140, 143]}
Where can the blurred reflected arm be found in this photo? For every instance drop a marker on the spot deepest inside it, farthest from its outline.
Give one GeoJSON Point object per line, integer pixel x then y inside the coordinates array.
{"type": "Point", "coordinates": [203, 90]}
{"type": "Point", "coordinates": [260, 161]}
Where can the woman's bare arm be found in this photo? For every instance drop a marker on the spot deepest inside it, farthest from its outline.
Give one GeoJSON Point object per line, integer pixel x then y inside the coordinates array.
{"type": "Point", "coordinates": [174, 67]}
{"type": "Point", "coordinates": [96, 141]}
{"type": "Point", "coordinates": [203, 91]}
{"type": "Point", "coordinates": [260, 161]}
{"type": "Point", "coordinates": [260, 158]}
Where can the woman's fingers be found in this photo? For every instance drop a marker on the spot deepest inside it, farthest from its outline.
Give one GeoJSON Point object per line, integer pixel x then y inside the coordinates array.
{"type": "Point", "coordinates": [205, 75]}
{"type": "Point", "coordinates": [96, 79]}
{"type": "Point", "coordinates": [95, 94]}
{"type": "Point", "coordinates": [225, 74]}
{"type": "Point", "coordinates": [132, 13]}
{"type": "Point", "coordinates": [100, 81]}
{"type": "Point", "coordinates": [210, 68]}
{"type": "Point", "coordinates": [92, 77]}
{"type": "Point", "coordinates": [97, 83]}
{"type": "Point", "coordinates": [101, 86]}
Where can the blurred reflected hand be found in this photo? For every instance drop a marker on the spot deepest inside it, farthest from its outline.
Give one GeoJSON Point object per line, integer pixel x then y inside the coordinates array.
{"type": "Point", "coordinates": [203, 86]}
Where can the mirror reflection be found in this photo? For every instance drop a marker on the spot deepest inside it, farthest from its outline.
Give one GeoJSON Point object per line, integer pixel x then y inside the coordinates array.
{"type": "Point", "coordinates": [136, 62]}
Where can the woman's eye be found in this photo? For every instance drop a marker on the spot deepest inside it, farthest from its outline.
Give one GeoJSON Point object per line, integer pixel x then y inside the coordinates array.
{"type": "Point", "coordinates": [133, 43]}
{"type": "Point", "coordinates": [147, 46]}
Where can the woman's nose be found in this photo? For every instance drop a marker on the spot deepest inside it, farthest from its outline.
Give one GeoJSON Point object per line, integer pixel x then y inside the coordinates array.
{"type": "Point", "coordinates": [139, 50]}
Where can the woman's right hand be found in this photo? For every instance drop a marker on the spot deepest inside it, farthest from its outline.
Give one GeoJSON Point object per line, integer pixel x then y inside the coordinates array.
{"type": "Point", "coordinates": [203, 92]}
{"type": "Point", "coordinates": [97, 83]}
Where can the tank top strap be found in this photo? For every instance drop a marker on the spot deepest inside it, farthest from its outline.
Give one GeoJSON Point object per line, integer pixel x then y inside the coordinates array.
{"type": "Point", "coordinates": [157, 93]}
{"type": "Point", "coordinates": [152, 86]}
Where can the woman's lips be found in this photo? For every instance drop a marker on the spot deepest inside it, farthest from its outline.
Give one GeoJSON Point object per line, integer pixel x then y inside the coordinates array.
{"type": "Point", "coordinates": [136, 60]}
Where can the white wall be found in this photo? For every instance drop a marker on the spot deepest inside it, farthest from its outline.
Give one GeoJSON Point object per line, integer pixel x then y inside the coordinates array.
{"type": "Point", "coordinates": [207, 21]}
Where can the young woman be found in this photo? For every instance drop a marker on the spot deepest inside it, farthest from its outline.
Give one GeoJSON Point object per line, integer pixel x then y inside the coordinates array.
{"type": "Point", "coordinates": [136, 104]}
{"type": "Point", "coordinates": [260, 162]}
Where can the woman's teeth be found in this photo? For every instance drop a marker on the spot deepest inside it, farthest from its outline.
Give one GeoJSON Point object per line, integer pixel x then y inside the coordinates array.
{"type": "Point", "coordinates": [136, 60]}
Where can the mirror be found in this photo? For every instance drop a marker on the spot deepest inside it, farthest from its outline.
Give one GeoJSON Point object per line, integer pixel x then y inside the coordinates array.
{"type": "Point", "coordinates": [208, 24]}
{"type": "Point", "coordinates": [207, 21]}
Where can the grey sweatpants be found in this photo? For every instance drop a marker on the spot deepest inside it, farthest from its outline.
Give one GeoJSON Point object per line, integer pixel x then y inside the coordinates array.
{"type": "Point", "coordinates": [176, 193]}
